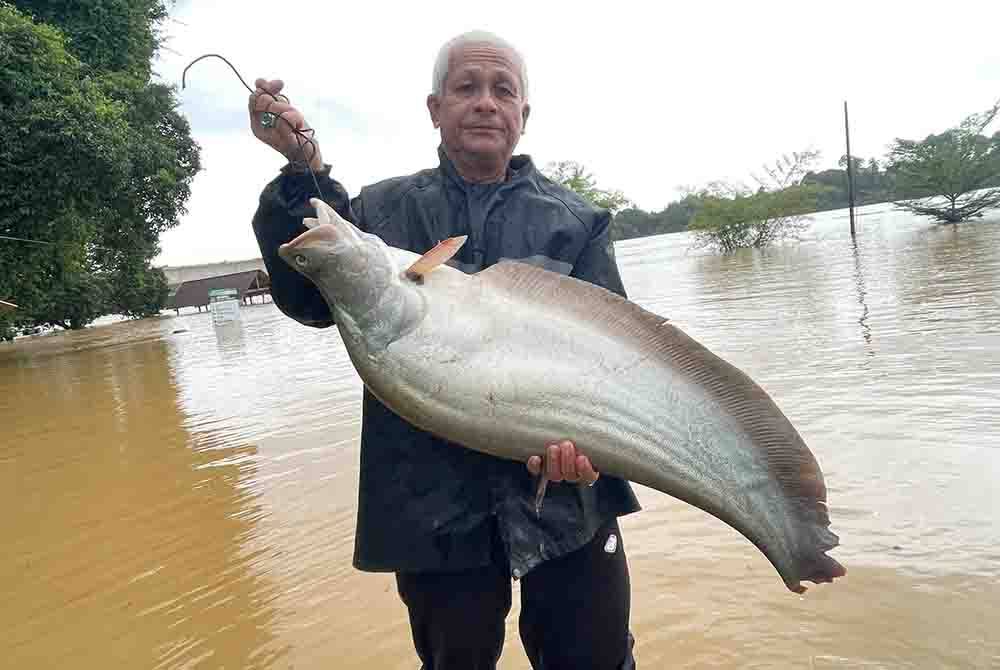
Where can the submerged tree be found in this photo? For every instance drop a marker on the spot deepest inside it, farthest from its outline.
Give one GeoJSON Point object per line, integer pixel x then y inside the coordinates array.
{"type": "Point", "coordinates": [951, 171]}
{"type": "Point", "coordinates": [732, 216]}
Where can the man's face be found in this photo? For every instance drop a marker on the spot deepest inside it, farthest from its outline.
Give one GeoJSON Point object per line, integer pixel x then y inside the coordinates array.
{"type": "Point", "coordinates": [481, 110]}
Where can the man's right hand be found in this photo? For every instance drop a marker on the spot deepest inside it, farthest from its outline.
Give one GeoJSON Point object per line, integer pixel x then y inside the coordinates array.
{"type": "Point", "coordinates": [280, 135]}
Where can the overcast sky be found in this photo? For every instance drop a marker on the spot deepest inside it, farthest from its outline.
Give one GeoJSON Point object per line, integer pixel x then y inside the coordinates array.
{"type": "Point", "coordinates": [650, 97]}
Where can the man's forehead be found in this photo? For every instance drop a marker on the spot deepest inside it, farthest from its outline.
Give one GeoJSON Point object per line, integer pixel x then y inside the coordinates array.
{"type": "Point", "coordinates": [482, 56]}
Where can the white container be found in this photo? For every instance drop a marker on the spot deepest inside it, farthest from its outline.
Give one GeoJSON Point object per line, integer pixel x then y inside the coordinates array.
{"type": "Point", "coordinates": [225, 305]}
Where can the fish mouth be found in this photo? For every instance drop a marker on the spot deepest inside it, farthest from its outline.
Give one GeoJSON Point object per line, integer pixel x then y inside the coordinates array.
{"type": "Point", "coordinates": [328, 227]}
{"type": "Point", "coordinates": [318, 234]}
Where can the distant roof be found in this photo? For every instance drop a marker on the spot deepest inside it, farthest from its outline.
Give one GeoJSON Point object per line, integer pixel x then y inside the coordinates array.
{"type": "Point", "coordinates": [178, 274]}
{"type": "Point", "coordinates": [256, 259]}
{"type": "Point", "coordinates": [194, 293]}
{"type": "Point", "coordinates": [7, 306]}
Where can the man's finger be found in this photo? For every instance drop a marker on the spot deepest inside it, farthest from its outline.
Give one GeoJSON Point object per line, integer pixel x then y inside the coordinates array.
{"type": "Point", "coordinates": [535, 465]}
{"type": "Point", "coordinates": [266, 90]}
{"type": "Point", "coordinates": [267, 103]}
{"type": "Point", "coordinates": [288, 119]}
{"type": "Point", "coordinates": [292, 118]}
{"type": "Point", "coordinates": [586, 469]}
{"type": "Point", "coordinates": [552, 469]}
{"type": "Point", "coordinates": [568, 457]}
{"type": "Point", "coordinates": [272, 86]}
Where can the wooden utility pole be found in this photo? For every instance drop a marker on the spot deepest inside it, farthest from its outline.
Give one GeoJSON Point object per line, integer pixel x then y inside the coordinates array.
{"type": "Point", "coordinates": [850, 168]}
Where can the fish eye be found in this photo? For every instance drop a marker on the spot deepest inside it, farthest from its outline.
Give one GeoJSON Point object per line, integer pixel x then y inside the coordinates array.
{"type": "Point", "coordinates": [301, 261]}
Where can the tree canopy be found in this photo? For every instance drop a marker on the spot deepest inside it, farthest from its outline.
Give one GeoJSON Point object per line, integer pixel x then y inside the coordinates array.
{"type": "Point", "coordinates": [105, 35]}
{"type": "Point", "coordinates": [575, 176]}
{"type": "Point", "coordinates": [950, 172]}
{"type": "Point", "coordinates": [732, 216]}
{"type": "Point", "coordinates": [97, 161]}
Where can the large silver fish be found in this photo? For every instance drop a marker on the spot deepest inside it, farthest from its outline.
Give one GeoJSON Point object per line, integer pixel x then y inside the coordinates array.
{"type": "Point", "coordinates": [511, 358]}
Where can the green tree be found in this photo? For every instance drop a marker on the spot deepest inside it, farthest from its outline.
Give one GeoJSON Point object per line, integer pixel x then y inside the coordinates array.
{"type": "Point", "coordinates": [96, 160]}
{"type": "Point", "coordinates": [575, 176]}
{"type": "Point", "coordinates": [77, 297]}
{"type": "Point", "coordinates": [956, 166]}
{"type": "Point", "coordinates": [135, 289]}
{"type": "Point", "coordinates": [733, 216]}
{"type": "Point", "coordinates": [106, 35]}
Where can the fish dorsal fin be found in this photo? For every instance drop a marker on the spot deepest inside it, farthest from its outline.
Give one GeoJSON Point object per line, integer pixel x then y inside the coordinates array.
{"type": "Point", "coordinates": [788, 458]}
{"type": "Point", "coordinates": [439, 255]}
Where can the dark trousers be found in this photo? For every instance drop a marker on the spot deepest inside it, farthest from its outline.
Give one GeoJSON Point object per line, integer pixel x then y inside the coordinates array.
{"type": "Point", "coordinates": [574, 612]}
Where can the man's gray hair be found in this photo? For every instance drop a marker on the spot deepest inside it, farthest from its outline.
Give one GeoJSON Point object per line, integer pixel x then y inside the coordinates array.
{"type": "Point", "coordinates": [475, 37]}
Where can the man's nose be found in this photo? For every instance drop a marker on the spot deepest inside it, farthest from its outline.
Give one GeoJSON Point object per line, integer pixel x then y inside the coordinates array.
{"type": "Point", "coordinates": [485, 102]}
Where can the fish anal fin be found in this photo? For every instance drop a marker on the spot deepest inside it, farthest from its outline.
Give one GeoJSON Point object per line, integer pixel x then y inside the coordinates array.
{"type": "Point", "coordinates": [440, 254]}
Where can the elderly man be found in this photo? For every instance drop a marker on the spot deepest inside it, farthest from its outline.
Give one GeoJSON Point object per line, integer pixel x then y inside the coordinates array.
{"type": "Point", "coordinates": [455, 525]}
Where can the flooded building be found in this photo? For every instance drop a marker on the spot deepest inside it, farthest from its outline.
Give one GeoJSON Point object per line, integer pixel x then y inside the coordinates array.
{"type": "Point", "coordinates": [197, 292]}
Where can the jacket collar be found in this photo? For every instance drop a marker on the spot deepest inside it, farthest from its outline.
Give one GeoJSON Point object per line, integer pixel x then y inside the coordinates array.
{"type": "Point", "coordinates": [520, 168]}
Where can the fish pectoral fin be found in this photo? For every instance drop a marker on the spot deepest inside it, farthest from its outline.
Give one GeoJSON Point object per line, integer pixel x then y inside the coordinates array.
{"type": "Point", "coordinates": [439, 255]}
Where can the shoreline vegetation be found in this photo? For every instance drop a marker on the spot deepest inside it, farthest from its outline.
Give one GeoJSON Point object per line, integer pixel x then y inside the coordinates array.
{"type": "Point", "coordinates": [951, 176]}
{"type": "Point", "coordinates": [81, 78]}
{"type": "Point", "coordinates": [106, 167]}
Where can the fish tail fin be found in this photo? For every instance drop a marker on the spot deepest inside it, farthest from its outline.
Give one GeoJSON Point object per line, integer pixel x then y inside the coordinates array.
{"type": "Point", "coordinates": [790, 463]}
{"type": "Point", "coordinates": [812, 562]}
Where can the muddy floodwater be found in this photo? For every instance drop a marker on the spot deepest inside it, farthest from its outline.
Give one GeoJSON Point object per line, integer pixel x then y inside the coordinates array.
{"type": "Point", "coordinates": [187, 499]}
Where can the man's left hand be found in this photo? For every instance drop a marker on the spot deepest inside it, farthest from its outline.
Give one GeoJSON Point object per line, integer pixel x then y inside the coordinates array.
{"type": "Point", "coordinates": [563, 463]}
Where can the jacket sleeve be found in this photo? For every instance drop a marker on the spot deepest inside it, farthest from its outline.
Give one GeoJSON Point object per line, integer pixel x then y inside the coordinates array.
{"type": "Point", "coordinates": [597, 263]}
{"type": "Point", "coordinates": [278, 219]}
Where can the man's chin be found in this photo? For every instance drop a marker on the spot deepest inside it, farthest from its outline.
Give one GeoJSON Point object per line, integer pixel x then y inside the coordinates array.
{"type": "Point", "coordinates": [484, 148]}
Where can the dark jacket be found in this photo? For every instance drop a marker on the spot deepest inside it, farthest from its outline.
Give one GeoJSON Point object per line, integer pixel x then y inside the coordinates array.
{"type": "Point", "coordinates": [424, 504]}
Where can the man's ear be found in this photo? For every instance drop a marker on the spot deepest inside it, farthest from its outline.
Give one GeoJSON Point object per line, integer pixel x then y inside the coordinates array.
{"type": "Point", "coordinates": [433, 106]}
{"type": "Point", "coordinates": [524, 116]}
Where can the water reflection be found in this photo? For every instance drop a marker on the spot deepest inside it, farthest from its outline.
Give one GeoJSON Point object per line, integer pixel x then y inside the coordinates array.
{"type": "Point", "coordinates": [128, 548]}
{"type": "Point", "coordinates": [229, 339]}
{"type": "Point", "coordinates": [859, 282]}
{"type": "Point", "coordinates": [952, 274]}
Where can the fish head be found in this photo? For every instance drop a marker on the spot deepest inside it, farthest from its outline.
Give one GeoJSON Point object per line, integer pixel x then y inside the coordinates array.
{"type": "Point", "coordinates": [351, 268]}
